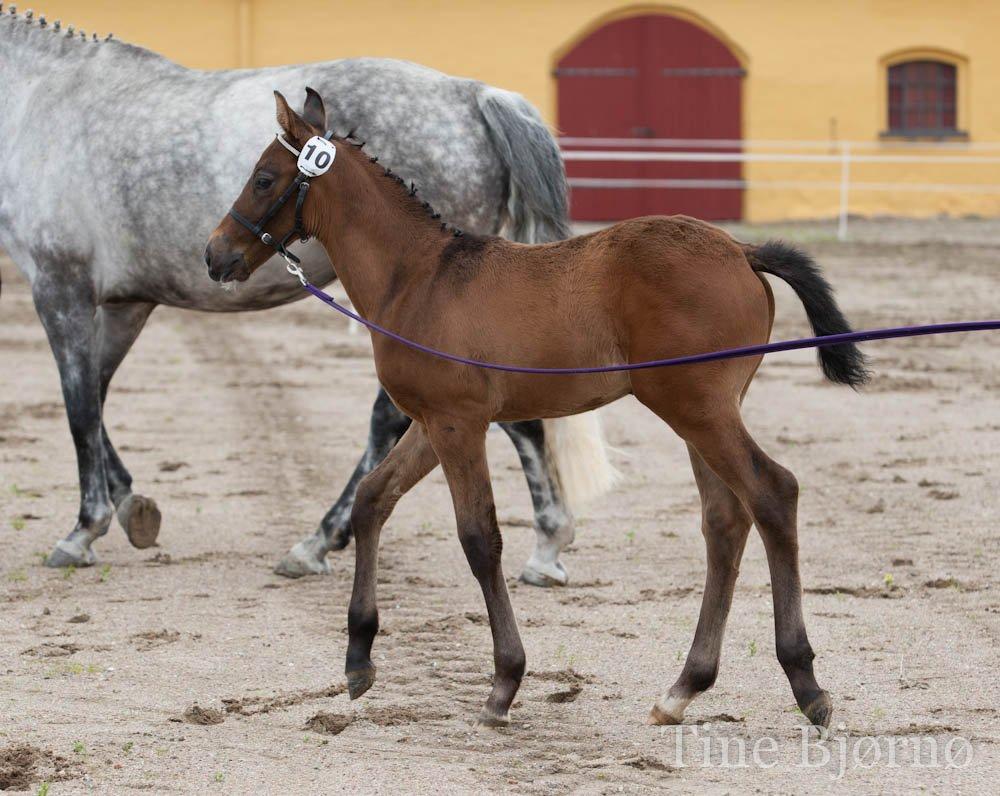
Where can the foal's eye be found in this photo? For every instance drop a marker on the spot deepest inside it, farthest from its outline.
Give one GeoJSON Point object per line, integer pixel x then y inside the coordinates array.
{"type": "Point", "coordinates": [262, 183]}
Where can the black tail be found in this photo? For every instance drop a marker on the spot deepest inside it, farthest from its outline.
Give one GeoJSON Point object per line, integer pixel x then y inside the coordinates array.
{"type": "Point", "coordinates": [842, 363]}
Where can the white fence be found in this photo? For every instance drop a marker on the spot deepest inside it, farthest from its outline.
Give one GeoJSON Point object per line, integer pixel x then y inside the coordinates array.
{"type": "Point", "coordinates": [842, 153]}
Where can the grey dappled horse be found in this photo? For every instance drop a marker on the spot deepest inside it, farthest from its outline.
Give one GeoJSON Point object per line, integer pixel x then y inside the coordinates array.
{"type": "Point", "coordinates": [114, 165]}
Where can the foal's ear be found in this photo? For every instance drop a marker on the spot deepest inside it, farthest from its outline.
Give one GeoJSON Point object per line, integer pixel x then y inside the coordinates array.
{"type": "Point", "coordinates": [289, 120]}
{"type": "Point", "coordinates": [314, 111]}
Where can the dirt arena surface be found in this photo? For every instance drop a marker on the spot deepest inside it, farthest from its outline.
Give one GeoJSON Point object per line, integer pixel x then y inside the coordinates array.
{"type": "Point", "coordinates": [191, 668]}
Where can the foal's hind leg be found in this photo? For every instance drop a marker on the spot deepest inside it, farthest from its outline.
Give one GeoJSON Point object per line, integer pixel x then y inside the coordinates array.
{"type": "Point", "coordinates": [725, 524]}
{"type": "Point", "coordinates": [461, 448]}
{"type": "Point", "coordinates": [377, 495]}
{"type": "Point", "coordinates": [118, 326]}
{"type": "Point", "coordinates": [770, 493]}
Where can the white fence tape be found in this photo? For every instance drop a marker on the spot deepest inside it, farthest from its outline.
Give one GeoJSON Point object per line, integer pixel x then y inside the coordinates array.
{"type": "Point", "coordinates": [834, 152]}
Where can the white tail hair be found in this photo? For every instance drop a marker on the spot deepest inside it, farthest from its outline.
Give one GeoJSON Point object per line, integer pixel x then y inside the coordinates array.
{"type": "Point", "coordinates": [578, 458]}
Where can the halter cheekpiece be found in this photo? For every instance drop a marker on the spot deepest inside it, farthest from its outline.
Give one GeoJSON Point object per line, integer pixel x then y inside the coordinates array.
{"type": "Point", "coordinates": [299, 184]}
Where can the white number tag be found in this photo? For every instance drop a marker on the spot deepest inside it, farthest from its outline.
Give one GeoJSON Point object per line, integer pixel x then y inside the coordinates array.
{"type": "Point", "coordinates": [317, 156]}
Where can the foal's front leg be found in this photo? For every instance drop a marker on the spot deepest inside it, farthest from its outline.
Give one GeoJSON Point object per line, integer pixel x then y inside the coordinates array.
{"type": "Point", "coordinates": [377, 495]}
{"type": "Point", "coordinates": [461, 449]}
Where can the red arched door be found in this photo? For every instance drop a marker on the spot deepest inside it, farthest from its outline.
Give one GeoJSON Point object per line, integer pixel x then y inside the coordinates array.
{"type": "Point", "coordinates": [645, 77]}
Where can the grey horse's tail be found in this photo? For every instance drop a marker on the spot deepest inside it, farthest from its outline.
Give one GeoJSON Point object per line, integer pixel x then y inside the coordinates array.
{"type": "Point", "coordinates": [537, 208]}
{"type": "Point", "coordinates": [538, 212]}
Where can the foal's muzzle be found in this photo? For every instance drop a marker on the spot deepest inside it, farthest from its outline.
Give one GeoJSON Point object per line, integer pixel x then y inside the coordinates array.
{"type": "Point", "coordinates": [225, 265]}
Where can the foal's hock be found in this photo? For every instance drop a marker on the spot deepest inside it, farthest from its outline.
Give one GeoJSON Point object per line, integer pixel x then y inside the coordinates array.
{"type": "Point", "coordinates": [646, 288]}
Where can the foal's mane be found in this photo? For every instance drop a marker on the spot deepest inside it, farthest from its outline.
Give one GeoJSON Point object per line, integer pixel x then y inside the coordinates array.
{"type": "Point", "coordinates": [408, 193]}
{"type": "Point", "coordinates": [70, 33]}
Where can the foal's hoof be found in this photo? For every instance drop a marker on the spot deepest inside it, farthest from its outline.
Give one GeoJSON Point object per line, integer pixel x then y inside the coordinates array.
{"type": "Point", "coordinates": [69, 553]}
{"type": "Point", "coordinates": [659, 717]}
{"type": "Point", "coordinates": [487, 718]}
{"type": "Point", "coordinates": [140, 518]}
{"type": "Point", "coordinates": [300, 561]}
{"type": "Point", "coordinates": [820, 710]}
{"type": "Point", "coordinates": [537, 573]}
{"type": "Point", "coordinates": [360, 680]}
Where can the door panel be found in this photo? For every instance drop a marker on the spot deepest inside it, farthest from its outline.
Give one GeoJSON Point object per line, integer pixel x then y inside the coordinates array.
{"type": "Point", "coordinates": [647, 77]}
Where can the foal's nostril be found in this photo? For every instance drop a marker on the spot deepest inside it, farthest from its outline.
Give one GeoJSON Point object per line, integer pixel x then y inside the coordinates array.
{"type": "Point", "coordinates": [208, 257]}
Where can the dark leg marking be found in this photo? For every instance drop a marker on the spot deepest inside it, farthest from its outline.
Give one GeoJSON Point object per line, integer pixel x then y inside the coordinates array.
{"type": "Point", "coordinates": [462, 453]}
{"type": "Point", "coordinates": [770, 494]}
{"type": "Point", "coordinates": [725, 524]}
{"type": "Point", "coordinates": [378, 494]}
{"type": "Point", "coordinates": [64, 300]}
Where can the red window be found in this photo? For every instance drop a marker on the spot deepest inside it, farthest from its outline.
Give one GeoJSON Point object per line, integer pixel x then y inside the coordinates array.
{"type": "Point", "coordinates": [922, 98]}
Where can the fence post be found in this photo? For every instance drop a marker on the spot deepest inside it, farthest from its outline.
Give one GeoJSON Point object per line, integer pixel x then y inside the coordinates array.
{"type": "Point", "coordinates": [845, 185]}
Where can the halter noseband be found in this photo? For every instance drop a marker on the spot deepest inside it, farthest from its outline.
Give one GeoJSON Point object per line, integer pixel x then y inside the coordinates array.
{"type": "Point", "coordinates": [300, 184]}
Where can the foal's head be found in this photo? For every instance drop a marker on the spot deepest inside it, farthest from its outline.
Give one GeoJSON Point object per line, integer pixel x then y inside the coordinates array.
{"type": "Point", "coordinates": [263, 217]}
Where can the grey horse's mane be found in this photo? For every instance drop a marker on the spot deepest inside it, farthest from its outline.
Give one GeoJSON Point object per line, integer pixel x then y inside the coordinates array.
{"type": "Point", "coordinates": [70, 32]}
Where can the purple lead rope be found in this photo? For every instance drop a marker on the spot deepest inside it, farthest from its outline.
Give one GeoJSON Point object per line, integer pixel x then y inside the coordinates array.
{"type": "Point", "coordinates": [711, 356]}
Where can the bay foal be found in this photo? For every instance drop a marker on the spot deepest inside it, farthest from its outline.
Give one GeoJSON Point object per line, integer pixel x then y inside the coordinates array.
{"type": "Point", "coordinates": [643, 289]}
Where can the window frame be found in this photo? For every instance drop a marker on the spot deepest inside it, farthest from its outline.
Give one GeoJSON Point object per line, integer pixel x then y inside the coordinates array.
{"type": "Point", "coordinates": [957, 62]}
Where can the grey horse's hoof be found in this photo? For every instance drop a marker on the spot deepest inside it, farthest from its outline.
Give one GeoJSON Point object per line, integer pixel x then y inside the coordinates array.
{"type": "Point", "coordinates": [69, 553]}
{"type": "Point", "coordinates": [538, 573]}
{"type": "Point", "coordinates": [300, 561]}
{"type": "Point", "coordinates": [340, 538]}
{"type": "Point", "coordinates": [140, 518]}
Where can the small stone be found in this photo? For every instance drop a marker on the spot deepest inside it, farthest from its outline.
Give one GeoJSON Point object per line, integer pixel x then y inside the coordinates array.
{"type": "Point", "coordinates": [878, 507]}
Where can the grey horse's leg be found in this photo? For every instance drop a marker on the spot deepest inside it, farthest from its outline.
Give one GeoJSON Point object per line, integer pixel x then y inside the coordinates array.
{"type": "Point", "coordinates": [553, 520]}
{"type": "Point", "coordinates": [118, 326]}
{"type": "Point", "coordinates": [66, 306]}
{"type": "Point", "coordinates": [308, 557]}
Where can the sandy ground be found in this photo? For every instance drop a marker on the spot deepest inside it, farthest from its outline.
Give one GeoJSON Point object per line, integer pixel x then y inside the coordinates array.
{"type": "Point", "coordinates": [244, 429]}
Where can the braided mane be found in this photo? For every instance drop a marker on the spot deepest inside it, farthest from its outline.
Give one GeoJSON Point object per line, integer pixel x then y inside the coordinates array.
{"type": "Point", "coordinates": [67, 32]}
{"type": "Point", "coordinates": [409, 192]}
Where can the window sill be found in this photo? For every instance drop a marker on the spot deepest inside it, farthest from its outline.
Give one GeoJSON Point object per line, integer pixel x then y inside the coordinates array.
{"type": "Point", "coordinates": [923, 135]}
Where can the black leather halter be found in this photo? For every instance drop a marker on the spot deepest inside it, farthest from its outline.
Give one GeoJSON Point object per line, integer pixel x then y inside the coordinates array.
{"type": "Point", "coordinates": [300, 184]}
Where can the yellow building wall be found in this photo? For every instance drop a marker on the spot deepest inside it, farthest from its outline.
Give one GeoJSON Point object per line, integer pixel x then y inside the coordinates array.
{"type": "Point", "coordinates": [815, 70]}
